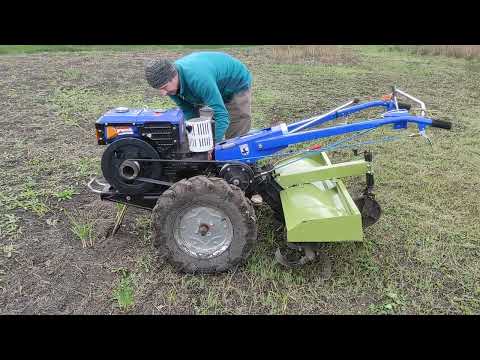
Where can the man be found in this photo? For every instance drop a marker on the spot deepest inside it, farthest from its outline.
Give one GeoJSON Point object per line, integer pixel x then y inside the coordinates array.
{"type": "Point", "coordinates": [215, 79]}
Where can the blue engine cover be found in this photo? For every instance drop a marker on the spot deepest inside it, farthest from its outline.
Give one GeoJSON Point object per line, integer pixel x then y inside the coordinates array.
{"type": "Point", "coordinates": [162, 127]}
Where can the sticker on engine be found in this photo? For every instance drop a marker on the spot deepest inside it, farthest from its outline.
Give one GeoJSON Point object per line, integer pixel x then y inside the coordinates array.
{"type": "Point", "coordinates": [124, 130]}
{"type": "Point", "coordinates": [244, 150]}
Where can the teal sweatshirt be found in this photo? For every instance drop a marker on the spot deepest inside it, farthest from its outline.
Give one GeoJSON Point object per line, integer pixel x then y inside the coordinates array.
{"type": "Point", "coordinates": [210, 78]}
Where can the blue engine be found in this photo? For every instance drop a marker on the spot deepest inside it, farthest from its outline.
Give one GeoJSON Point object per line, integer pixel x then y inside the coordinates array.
{"type": "Point", "coordinates": [158, 137]}
{"type": "Point", "coordinates": [163, 129]}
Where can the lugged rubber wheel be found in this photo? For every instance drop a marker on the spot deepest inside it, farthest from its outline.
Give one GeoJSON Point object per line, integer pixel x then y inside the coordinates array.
{"type": "Point", "coordinates": [204, 225]}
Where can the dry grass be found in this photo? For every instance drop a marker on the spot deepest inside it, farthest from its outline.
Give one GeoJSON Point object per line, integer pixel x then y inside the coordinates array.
{"type": "Point", "coordinates": [314, 54]}
{"type": "Point", "coordinates": [457, 51]}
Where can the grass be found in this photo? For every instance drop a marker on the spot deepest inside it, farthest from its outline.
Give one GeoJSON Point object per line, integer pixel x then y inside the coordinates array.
{"type": "Point", "coordinates": [143, 228]}
{"type": "Point", "coordinates": [144, 263]}
{"type": "Point", "coordinates": [9, 226]}
{"type": "Point", "coordinates": [31, 49]}
{"type": "Point", "coordinates": [75, 104]}
{"type": "Point", "coordinates": [28, 197]}
{"type": "Point", "coordinates": [456, 51]}
{"type": "Point", "coordinates": [123, 293]}
{"type": "Point", "coordinates": [311, 54]}
{"type": "Point", "coordinates": [83, 231]}
{"type": "Point", "coordinates": [422, 257]}
{"type": "Point", "coordinates": [66, 194]}
{"type": "Point", "coordinates": [86, 167]}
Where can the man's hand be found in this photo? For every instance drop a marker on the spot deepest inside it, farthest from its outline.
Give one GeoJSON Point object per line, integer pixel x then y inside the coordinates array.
{"type": "Point", "coordinates": [210, 155]}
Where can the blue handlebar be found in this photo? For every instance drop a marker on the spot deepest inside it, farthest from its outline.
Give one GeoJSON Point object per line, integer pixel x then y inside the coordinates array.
{"type": "Point", "coordinates": [253, 147]}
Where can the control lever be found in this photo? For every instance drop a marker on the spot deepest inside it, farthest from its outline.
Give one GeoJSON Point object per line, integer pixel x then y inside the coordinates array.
{"type": "Point", "coordinates": [422, 133]}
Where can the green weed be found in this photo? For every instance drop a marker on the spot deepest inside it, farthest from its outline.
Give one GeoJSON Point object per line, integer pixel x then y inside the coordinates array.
{"type": "Point", "coordinates": [87, 167]}
{"type": "Point", "coordinates": [124, 291]}
{"type": "Point", "coordinates": [66, 194]}
{"type": "Point", "coordinates": [73, 74]}
{"type": "Point", "coordinates": [209, 304]}
{"type": "Point", "coordinates": [9, 226]}
{"type": "Point", "coordinates": [83, 231]}
{"type": "Point", "coordinates": [28, 197]}
{"type": "Point", "coordinates": [144, 264]}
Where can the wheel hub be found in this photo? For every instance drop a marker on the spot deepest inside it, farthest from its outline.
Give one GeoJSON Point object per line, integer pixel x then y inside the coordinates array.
{"type": "Point", "coordinates": [203, 229]}
{"type": "Point", "coordinates": [203, 232]}
{"type": "Point", "coordinates": [238, 175]}
{"type": "Point", "coordinates": [129, 170]}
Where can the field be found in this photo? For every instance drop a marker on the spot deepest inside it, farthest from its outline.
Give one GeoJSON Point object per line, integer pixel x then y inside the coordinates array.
{"type": "Point", "coordinates": [422, 257]}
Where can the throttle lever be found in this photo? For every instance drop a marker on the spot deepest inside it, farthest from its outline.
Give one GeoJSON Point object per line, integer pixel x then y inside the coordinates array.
{"type": "Point", "coordinates": [422, 133]}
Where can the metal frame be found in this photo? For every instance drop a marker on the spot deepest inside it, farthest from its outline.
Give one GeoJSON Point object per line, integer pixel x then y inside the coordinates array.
{"type": "Point", "coordinates": [287, 177]}
{"type": "Point", "coordinates": [251, 148]}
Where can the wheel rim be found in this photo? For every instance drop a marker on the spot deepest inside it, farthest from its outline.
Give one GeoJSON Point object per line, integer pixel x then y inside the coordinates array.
{"type": "Point", "coordinates": [203, 232]}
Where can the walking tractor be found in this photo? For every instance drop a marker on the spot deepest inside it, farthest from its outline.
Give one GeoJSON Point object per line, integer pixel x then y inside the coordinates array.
{"type": "Point", "coordinates": [201, 193]}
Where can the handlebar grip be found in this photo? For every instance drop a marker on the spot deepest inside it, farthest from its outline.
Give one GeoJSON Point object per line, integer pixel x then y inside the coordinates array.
{"type": "Point", "coordinates": [441, 124]}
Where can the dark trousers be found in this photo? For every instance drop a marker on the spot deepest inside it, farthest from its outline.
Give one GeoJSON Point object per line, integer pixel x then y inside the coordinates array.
{"type": "Point", "coordinates": [239, 111]}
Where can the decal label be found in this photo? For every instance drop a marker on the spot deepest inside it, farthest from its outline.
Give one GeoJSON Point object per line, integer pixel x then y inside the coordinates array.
{"type": "Point", "coordinates": [244, 149]}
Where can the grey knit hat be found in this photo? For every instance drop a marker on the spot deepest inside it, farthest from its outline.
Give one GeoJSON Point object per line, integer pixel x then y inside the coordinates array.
{"type": "Point", "coordinates": [159, 72]}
